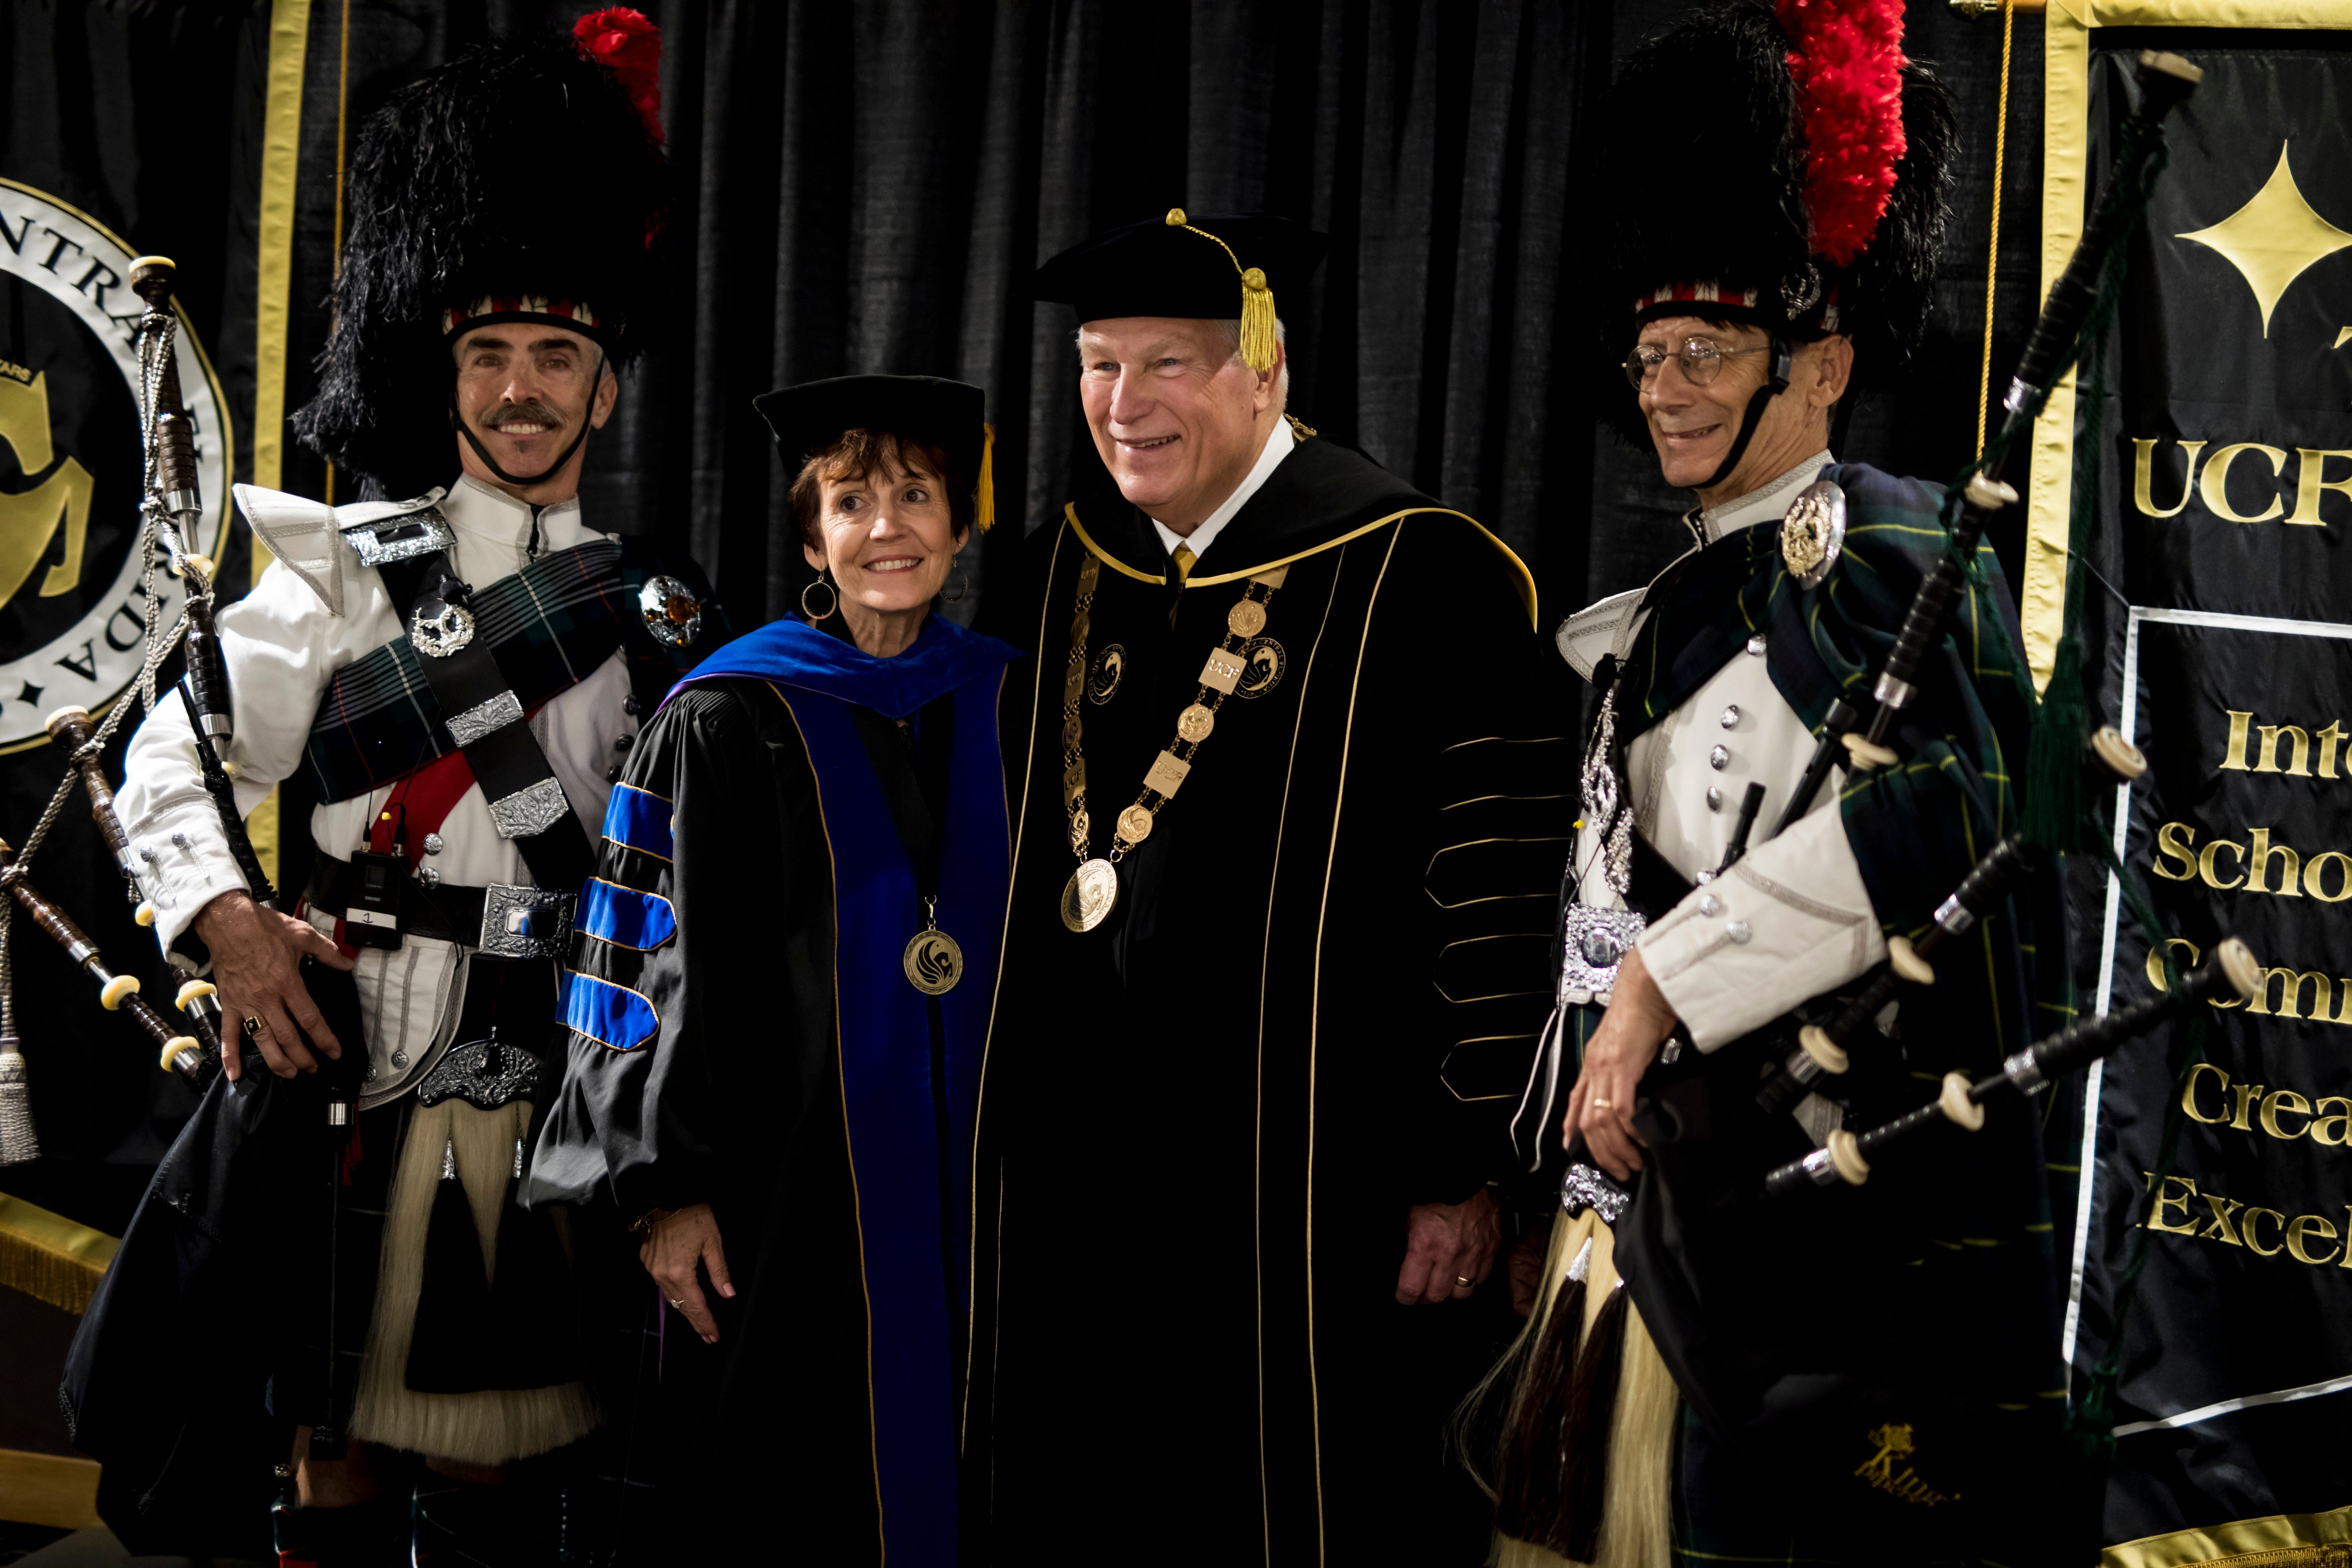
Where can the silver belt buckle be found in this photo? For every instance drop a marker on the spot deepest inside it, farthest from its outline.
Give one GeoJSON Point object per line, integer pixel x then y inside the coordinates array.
{"type": "Point", "coordinates": [525, 922]}
{"type": "Point", "coordinates": [1593, 943]}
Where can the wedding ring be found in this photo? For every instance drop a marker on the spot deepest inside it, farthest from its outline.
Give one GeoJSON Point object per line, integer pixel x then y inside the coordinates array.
{"type": "Point", "coordinates": [1462, 1281]}
{"type": "Point", "coordinates": [678, 1301]}
{"type": "Point", "coordinates": [1601, 1104]}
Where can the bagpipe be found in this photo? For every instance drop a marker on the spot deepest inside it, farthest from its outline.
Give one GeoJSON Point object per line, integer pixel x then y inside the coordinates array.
{"type": "Point", "coordinates": [191, 1046]}
{"type": "Point", "coordinates": [1714, 1233]}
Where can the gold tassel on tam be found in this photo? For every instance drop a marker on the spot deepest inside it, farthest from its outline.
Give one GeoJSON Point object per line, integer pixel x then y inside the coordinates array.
{"type": "Point", "coordinates": [1602, 1453]}
{"type": "Point", "coordinates": [486, 1426]}
{"type": "Point", "coordinates": [984, 504]}
{"type": "Point", "coordinates": [1258, 301]}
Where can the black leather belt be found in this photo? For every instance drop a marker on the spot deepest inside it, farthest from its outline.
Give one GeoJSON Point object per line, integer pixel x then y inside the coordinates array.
{"type": "Point", "coordinates": [504, 920]}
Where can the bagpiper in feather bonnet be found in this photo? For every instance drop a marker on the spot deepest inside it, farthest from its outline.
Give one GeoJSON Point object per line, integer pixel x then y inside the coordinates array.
{"type": "Point", "coordinates": [1813, 160]}
{"type": "Point", "coordinates": [523, 181]}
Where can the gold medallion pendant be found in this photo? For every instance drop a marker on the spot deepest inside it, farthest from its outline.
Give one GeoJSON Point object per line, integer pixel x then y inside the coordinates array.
{"type": "Point", "coordinates": [934, 962]}
{"type": "Point", "coordinates": [1091, 891]}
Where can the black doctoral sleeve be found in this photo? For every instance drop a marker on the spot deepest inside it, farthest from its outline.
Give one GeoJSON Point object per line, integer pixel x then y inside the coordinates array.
{"type": "Point", "coordinates": [1495, 821]}
{"type": "Point", "coordinates": [668, 981]}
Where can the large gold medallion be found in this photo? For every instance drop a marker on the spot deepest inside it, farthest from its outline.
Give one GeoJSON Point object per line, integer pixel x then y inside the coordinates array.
{"type": "Point", "coordinates": [1087, 898]}
{"type": "Point", "coordinates": [934, 962]}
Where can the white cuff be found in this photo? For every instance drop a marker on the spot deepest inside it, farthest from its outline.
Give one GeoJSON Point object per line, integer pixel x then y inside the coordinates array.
{"type": "Point", "coordinates": [1788, 922]}
{"type": "Point", "coordinates": [191, 864]}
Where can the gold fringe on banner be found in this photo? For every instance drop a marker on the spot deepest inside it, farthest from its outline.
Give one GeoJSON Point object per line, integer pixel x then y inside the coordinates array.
{"type": "Point", "coordinates": [49, 1256]}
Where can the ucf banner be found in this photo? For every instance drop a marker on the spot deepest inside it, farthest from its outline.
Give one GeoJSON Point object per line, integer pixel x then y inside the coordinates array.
{"type": "Point", "coordinates": [2221, 612]}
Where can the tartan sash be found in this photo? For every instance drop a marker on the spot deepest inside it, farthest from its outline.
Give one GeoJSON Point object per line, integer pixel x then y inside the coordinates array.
{"type": "Point", "coordinates": [549, 625]}
{"type": "Point", "coordinates": [1917, 828]}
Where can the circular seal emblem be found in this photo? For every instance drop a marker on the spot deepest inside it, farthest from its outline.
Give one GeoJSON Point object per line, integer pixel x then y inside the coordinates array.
{"type": "Point", "coordinates": [1090, 893]}
{"type": "Point", "coordinates": [1110, 668]}
{"type": "Point", "coordinates": [1263, 666]}
{"type": "Point", "coordinates": [70, 464]}
{"type": "Point", "coordinates": [934, 962]}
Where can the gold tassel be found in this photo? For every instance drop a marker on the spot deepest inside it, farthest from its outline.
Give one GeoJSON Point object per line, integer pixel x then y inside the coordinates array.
{"type": "Point", "coordinates": [1257, 299]}
{"type": "Point", "coordinates": [1258, 321]}
{"type": "Point", "coordinates": [983, 507]}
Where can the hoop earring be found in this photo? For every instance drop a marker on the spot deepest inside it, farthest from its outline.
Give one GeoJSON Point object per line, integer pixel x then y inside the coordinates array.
{"type": "Point", "coordinates": [831, 606]}
{"type": "Point", "coordinates": [959, 583]}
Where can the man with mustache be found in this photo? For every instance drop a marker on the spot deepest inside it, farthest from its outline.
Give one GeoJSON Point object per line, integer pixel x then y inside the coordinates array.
{"type": "Point", "coordinates": [1724, 1399]}
{"type": "Point", "coordinates": [456, 676]}
{"type": "Point", "coordinates": [1274, 961]}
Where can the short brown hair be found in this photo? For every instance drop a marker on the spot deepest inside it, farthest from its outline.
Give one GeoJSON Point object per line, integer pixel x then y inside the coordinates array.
{"type": "Point", "coordinates": [857, 453]}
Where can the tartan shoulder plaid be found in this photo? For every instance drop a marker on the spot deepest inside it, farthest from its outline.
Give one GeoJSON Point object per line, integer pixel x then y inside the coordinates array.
{"type": "Point", "coordinates": [1918, 827]}
{"type": "Point", "coordinates": [550, 625]}
{"type": "Point", "coordinates": [1915, 829]}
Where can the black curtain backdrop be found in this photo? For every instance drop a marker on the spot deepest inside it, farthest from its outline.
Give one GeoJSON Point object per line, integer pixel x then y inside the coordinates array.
{"type": "Point", "coordinates": [868, 187]}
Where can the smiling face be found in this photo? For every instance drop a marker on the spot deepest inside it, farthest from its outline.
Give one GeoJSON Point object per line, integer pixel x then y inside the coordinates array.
{"type": "Point", "coordinates": [524, 389]}
{"type": "Point", "coordinates": [885, 531]}
{"type": "Point", "coordinates": [1693, 426]}
{"type": "Point", "coordinates": [1177, 418]}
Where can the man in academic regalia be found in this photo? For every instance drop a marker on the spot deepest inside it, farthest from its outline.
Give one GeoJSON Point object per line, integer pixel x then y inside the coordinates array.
{"type": "Point", "coordinates": [1872, 1375]}
{"type": "Point", "coordinates": [455, 674]}
{"type": "Point", "coordinates": [1288, 829]}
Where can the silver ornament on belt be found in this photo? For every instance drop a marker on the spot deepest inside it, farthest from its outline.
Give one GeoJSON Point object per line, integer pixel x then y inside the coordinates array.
{"type": "Point", "coordinates": [440, 629]}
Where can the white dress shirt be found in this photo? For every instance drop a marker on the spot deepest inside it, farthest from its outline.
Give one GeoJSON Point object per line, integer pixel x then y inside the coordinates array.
{"type": "Point", "coordinates": [1792, 919]}
{"type": "Point", "coordinates": [1277, 446]}
{"type": "Point", "coordinates": [282, 644]}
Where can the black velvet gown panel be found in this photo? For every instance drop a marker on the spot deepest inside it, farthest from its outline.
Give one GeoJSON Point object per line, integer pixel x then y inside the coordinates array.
{"type": "Point", "coordinates": [765, 1437]}
{"type": "Point", "coordinates": [1203, 1122]}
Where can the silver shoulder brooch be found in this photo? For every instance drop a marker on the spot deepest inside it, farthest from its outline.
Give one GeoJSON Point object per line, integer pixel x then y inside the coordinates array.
{"type": "Point", "coordinates": [1812, 532]}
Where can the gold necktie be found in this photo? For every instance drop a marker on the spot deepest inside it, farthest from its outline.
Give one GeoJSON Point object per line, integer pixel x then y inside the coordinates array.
{"type": "Point", "coordinates": [1183, 557]}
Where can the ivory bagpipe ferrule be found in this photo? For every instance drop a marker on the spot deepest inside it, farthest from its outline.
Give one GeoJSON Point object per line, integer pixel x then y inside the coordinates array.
{"type": "Point", "coordinates": [1849, 1155]}
{"type": "Point", "coordinates": [182, 1053]}
{"type": "Point", "coordinates": [1823, 1051]}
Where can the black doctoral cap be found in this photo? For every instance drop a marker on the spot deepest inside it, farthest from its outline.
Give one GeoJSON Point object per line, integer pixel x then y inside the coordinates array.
{"type": "Point", "coordinates": [948, 415]}
{"type": "Point", "coordinates": [523, 181]}
{"type": "Point", "coordinates": [1219, 268]}
{"type": "Point", "coordinates": [1811, 165]}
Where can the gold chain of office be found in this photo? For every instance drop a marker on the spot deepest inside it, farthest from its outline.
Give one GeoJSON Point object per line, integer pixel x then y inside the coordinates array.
{"type": "Point", "coordinates": [1093, 888]}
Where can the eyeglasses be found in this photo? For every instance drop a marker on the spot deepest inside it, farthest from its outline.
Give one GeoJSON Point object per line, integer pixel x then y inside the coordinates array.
{"type": "Point", "coordinates": [1702, 361]}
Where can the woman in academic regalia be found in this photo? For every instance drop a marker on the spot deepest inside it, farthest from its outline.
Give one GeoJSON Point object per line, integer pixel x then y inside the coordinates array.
{"type": "Point", "coordinates": [783, 973]}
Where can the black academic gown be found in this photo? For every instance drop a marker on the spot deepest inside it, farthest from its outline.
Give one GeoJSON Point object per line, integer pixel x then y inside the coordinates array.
{"type": "Point", "coordinates": [742, 1035]}
{"type": "Point", "coordinates": [1203, 1122]}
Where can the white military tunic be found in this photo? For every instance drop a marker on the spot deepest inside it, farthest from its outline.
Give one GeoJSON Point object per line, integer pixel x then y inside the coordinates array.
{"type": "Point", "coordinates": [315, 610]}
{"type": "Point", "coordinates": [1792, 919]}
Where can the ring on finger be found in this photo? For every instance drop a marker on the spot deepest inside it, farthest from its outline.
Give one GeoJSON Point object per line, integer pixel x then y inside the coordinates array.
{"type": "Point", "coordinates": [1462, 1280]}
{"type": "Point", "coordinates": [253, 1026]}
{"type": "Point", "coordinates": [676, 1301]}
{"type": "Point", "coordinates": [1601, 1104]}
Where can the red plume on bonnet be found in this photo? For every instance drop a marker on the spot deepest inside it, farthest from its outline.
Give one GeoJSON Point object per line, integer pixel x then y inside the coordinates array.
{"type": "Point", "coordinates": [627, 44]}
{"type": "Point", "coordinates": [1847, 66]}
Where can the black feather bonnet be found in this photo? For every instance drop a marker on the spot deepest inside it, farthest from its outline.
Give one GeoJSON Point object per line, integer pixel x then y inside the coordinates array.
{"type": "Point", "coordinates": [1797, 183]}
{"type": "Point", "coordinates": [517, 182]}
